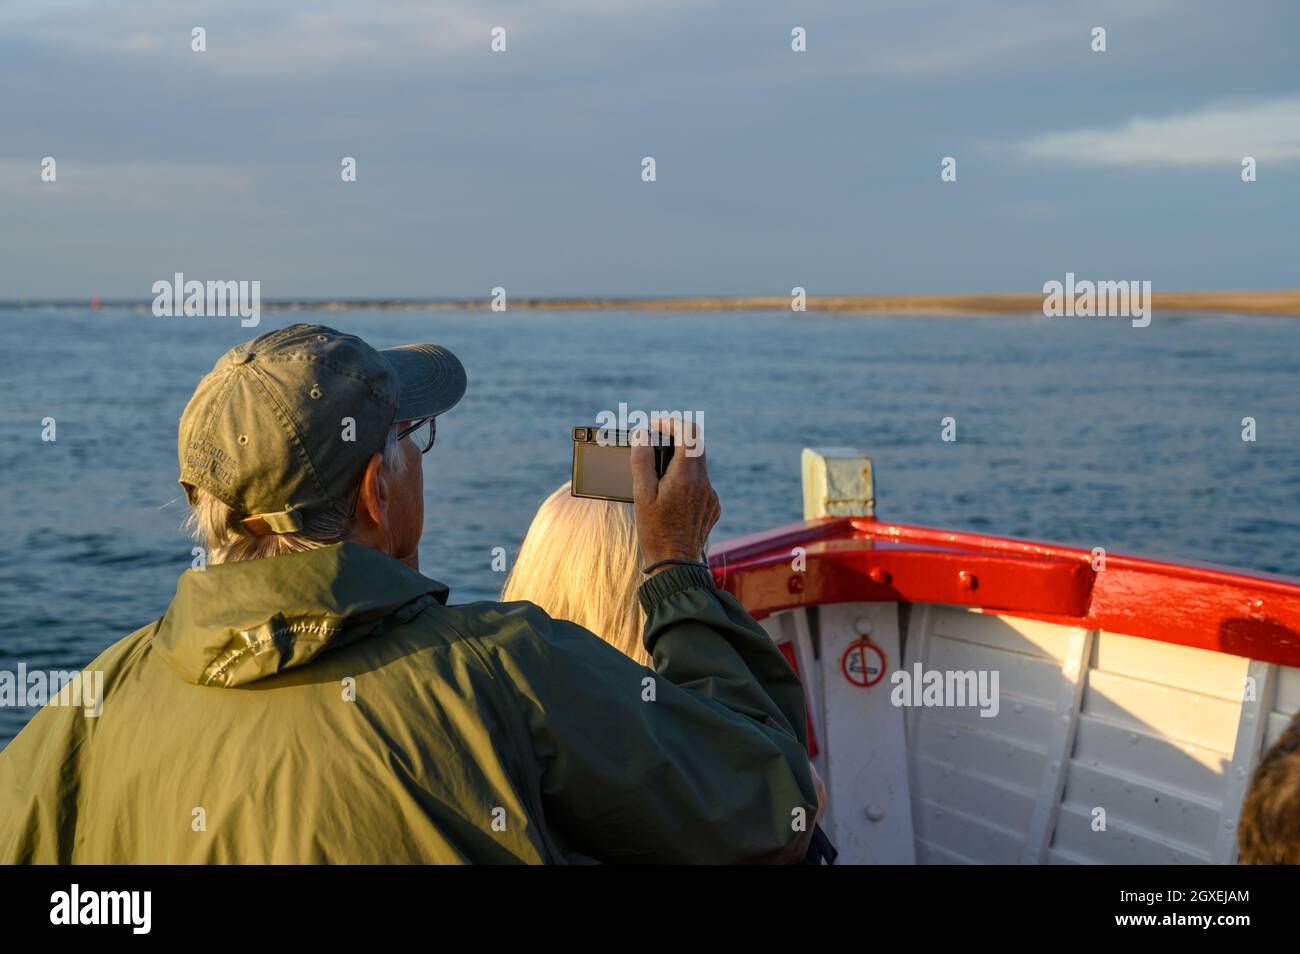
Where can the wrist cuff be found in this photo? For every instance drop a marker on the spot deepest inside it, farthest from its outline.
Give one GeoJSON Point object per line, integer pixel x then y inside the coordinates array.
{"type": "Point", "coordinates": [672, 581]}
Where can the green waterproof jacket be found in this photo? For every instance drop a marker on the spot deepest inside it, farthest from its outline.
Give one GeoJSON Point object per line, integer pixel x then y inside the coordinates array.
{"type": "Point", "coordinates": [329, 707]}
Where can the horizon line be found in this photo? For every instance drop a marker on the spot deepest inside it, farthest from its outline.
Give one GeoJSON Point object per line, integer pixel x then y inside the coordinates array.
{"type": "Point", "coordinates": [1247, 301]}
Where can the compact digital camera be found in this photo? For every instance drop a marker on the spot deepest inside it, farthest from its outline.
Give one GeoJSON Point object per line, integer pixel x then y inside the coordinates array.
{"type": "Point", "coordinates": [602, 462]}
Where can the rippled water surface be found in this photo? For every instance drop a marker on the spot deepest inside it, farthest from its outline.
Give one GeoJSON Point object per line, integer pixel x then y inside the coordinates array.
{"type": "Point", "coordinates": [1084, 432]}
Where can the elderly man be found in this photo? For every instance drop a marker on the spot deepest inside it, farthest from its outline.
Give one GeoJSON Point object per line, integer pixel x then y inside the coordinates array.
{"type": "Point", "coordinates": [309, 696]}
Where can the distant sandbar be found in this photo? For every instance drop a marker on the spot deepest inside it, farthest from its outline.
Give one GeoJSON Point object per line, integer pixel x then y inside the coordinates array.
{"type": "Point", "coordinates": [1284, 302]}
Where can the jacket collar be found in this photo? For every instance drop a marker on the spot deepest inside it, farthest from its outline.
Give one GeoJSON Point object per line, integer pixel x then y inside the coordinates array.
{"type": "Point", "coordinates": [235, 623]}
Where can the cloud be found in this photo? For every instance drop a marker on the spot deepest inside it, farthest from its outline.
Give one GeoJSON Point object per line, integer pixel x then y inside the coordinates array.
{"type": "Point", "coordinates": [291, 38]}
{"type": "Point", "coordinates": [936, 39]}
{"type": "Point", "coordinates": [1268, 130]}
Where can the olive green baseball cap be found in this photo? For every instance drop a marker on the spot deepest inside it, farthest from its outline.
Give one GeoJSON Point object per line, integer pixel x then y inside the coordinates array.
{"type": "Point", "coordinates": [283, 426]}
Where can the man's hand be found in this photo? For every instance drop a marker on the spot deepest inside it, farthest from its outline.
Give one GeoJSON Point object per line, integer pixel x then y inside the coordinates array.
{"type": "Point", "coordinates": [675, 513]}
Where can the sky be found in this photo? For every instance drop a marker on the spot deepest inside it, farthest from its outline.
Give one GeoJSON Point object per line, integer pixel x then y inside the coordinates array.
{"type": "Point", "coordinates": [523, 168]}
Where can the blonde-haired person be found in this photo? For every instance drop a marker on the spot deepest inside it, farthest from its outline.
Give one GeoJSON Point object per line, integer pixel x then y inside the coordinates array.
{"type": "Point", "coordinates": [580, 562]}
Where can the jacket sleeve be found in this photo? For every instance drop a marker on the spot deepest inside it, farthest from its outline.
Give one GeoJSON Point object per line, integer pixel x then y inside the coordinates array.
{"type": "Point", "coordinates": [702, 759]}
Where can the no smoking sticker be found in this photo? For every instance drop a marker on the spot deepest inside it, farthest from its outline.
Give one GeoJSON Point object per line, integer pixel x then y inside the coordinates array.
{"type": "Point", "coordinates": [863, 663]}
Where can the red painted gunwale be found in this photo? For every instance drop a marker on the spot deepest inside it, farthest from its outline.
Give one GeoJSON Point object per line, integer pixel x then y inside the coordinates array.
{"type": "Point", "coordinates": [860, 559]}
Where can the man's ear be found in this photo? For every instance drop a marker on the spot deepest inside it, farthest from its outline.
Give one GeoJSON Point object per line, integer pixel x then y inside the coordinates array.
{"type": "Point", "coordinates": [372, 501]}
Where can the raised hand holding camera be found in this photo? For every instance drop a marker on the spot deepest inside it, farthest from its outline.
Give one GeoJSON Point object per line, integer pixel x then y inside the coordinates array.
{"type": "Point", "coordinates": [676, 512]}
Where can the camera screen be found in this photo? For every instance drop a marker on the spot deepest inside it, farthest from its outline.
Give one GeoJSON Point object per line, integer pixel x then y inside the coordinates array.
{"type": "Point", "coordinates": [602, 470]}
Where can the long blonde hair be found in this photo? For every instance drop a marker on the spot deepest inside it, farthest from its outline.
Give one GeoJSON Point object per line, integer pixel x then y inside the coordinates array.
{"type": "Point", "coordinates": [580, 562]}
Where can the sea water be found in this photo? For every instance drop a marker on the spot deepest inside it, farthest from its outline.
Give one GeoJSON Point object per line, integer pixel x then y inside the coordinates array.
{"type": "Point", "coordinates": [1089, 433]}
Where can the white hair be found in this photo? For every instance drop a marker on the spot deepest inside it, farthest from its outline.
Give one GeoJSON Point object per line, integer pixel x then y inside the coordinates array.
{"type": "Point", "coordinates": [216, 526]}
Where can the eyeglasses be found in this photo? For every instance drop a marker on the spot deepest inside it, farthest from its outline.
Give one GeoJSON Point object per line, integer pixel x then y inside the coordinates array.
{"type": "Point", "coordinates": [422, 433]}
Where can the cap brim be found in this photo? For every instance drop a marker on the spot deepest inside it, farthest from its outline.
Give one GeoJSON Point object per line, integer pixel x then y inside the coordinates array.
{"type": "Point", "coordinates": [430, 380]}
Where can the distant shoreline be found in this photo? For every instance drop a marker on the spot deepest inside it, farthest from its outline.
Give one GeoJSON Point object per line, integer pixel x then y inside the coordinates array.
{"type": "Point", "coordinates": [1285, 302]}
